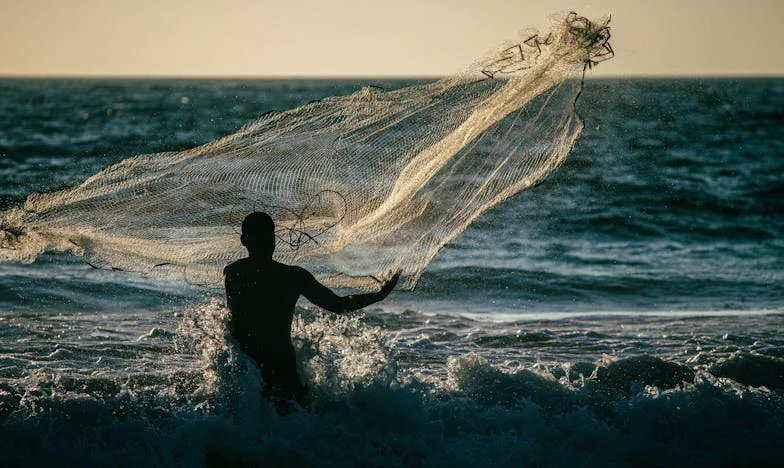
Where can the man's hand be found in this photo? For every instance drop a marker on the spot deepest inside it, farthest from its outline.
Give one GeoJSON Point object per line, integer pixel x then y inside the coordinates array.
{"type": "Point", "coordinates": [389, 285]}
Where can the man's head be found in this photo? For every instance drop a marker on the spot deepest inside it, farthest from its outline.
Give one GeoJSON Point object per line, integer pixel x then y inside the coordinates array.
{"type": "Point", "coordinates": [258, 234]}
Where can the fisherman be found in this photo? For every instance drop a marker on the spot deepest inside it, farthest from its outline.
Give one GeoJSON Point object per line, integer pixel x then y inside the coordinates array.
{"type": "Point", "coordinates": [262, 293]}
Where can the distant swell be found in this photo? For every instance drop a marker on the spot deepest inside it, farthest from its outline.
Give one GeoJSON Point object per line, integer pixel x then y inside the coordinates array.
{"type": "Point", "coordinates": [573, 291]}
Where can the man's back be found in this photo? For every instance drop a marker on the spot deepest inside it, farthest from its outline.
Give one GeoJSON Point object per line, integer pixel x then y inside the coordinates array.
{"type": "Point", "coordinates": [261, 296]}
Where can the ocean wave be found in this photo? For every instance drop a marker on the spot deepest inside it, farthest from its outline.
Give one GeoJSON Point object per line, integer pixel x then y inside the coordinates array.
{"type": "Point", "coordinates": [586, 287]}
{"type": "Point", "coordinates": [369, 409]}
{"type": "Point", "coordinates": [753, 369]}
{"type": "Point", "coordinates": [482, 416]}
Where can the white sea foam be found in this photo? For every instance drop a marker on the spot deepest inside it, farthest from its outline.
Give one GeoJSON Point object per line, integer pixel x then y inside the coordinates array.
{"type": "Point", "coordinates": [378, 399]}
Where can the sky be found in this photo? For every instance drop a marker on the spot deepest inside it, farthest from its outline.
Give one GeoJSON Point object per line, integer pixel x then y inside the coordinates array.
{"type": "Point", "coordinates": [371, 38]}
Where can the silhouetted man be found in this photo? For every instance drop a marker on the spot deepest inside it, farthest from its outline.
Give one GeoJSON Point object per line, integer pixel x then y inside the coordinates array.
{"type": "Point", "coordinates": [261, 294]}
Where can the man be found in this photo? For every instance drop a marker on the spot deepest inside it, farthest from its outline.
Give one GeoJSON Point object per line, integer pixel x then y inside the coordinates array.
{"type": "Point", "coordinates": [261, 294]}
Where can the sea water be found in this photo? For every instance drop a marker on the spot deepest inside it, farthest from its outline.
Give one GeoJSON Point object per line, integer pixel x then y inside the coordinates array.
{"type": "Point", "coordinates": [627, 312]}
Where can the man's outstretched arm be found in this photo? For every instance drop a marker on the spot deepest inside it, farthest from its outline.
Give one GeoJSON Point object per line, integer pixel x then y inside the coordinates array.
{"type": "Point", "coordinates": [323, 297]}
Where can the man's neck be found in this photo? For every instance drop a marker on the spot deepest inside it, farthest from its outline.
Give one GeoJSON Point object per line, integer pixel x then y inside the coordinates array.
{"type": "Point", "coordinates": [259, 258]}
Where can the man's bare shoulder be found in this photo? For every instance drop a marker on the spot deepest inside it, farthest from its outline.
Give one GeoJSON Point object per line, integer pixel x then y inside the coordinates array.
{"type": "Point", "coordinates": [277, 268]}
{"type": "Point", "coordinates": [295, 273]}
{"type": "Point", "coordinates": [235, 266]}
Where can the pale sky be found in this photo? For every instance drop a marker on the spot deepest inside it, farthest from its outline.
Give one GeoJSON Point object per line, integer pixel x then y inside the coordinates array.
{"type": "Point", "coordinates": [370, 37]}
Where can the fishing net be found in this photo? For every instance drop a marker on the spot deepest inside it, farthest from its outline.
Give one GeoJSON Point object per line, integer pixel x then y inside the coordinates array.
{"type": "Point", "coordinates": [358, 185]}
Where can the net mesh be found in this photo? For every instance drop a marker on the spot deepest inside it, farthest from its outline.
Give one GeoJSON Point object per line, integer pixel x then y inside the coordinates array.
{"type": "Point", "coordinates": [358, 185]}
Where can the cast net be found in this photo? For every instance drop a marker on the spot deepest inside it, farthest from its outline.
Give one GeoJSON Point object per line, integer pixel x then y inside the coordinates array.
{"type": "Point", "coordinates": [358, 185]}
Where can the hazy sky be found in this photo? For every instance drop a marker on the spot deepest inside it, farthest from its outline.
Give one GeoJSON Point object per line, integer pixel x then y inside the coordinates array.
{"type": "Point", "coordinates": [369, 37]}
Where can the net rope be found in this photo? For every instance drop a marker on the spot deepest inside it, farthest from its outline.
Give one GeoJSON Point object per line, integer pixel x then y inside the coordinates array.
{"type": "Point", "coordinates": [358, 185]}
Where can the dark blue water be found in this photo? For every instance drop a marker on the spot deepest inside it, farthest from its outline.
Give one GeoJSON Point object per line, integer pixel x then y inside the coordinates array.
{"type": "Point", "coordinates": [671, 200]}
{"type": "Point", "coordinates": [627, 312]}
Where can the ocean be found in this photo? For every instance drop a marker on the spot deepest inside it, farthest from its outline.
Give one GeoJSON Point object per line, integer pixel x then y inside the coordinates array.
{"type": "Point", "coordinates": [626, 312]}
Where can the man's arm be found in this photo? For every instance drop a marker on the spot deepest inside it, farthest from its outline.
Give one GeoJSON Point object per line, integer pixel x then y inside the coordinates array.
{"type": "Point", "coordinates": [323, 297]}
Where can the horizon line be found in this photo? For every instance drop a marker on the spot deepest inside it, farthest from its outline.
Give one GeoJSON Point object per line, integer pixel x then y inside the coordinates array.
{"type": "Point", "coordinates": [217, 76]}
